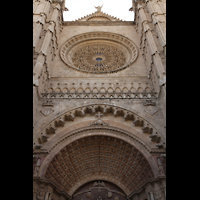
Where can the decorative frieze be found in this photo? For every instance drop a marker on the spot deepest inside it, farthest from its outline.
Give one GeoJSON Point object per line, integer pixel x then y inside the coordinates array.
{"type": "Point", "coordinates": [152, 95]}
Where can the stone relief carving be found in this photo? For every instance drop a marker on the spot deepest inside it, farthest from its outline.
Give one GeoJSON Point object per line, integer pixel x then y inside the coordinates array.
{"type": "Point", "coordinates": [47, 107]}
{"type": "Point", "coordinates": [37, 167]}
{"type": "Point", "coordinates": [47, 111]}
{"type": "Point", "coordinates": [40, 193]}
{"type": "Point", "coordinates": [98, 91]}
{"type": "Point", "coordinates": [99, 184]}
{"type": "Point", "coordinates": [99, 122]}
{"type": "Point", "coordinates": [150, 107]}
{"type": "Point", "coordinates": [109, 194]}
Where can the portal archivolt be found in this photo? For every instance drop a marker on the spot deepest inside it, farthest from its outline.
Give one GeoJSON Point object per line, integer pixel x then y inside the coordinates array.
{"type": "Point", "coordinates": [52, 128]}
{"type": "Point", "coordinates": [83, 148]}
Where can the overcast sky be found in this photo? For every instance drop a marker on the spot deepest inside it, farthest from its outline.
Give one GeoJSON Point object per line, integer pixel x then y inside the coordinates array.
{"type": "Point", "coordinates": [81, 8]}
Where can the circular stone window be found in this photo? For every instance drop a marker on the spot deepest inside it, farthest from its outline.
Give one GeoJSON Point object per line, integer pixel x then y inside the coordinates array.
{"type": "Point", "coordinates": [99, 52]}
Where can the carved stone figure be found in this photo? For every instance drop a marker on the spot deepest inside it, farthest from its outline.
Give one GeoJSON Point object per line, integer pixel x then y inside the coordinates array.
{"type": "Point", "coordinates": [99, 198]}
{"type": "Point", "coordinates": [109, 194]}
{"type": "Point", "coordinates": [95, 184]}
{"type": "Point", "coordinates": [40, 193]}
{"type": "Point", "coordinates": [102, 184]}
{"type": "Point", "coordinates": [98, 8]}
{"type": "Point", "coordinates": [37, 167]}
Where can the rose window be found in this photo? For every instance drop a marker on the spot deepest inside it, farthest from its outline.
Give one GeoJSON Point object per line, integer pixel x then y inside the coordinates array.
{"type": "Point", "coordinates": [99, 54]}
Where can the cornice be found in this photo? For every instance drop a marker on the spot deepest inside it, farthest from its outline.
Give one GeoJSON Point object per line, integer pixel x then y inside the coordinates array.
{"type": "Point", "coordinates": [98, 23]}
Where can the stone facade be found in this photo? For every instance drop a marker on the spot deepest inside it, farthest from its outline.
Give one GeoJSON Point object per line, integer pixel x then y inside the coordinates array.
{"type": "Point", "coordinates": [99, 109]}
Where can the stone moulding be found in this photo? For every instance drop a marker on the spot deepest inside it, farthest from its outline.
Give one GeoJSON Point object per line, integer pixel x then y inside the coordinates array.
{"type": "Point", "coordinates": [52, 127]}
{"type": "Point", "coordinates": [114, 132]}
{"type": "Point", "coordinates": [98, 23]}
{"type": "Point", "coordinates": [85, 95]}
{"type": "Point", "coordinates": [115, 52]}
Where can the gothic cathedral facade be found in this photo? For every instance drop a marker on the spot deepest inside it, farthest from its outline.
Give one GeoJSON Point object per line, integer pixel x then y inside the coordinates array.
{"type": "Point", "coordinates": [99, 103]}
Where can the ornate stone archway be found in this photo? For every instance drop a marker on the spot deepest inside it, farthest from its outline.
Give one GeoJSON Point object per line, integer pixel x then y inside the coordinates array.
{"type": "Point", "coordinates": [69, 116]}
{"type": "Point", "coordinates": [95, 143]}
{"type": "Point", "coordinates": [75, 125]}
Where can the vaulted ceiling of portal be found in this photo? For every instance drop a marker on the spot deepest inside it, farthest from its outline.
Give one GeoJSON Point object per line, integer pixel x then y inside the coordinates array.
{"type": "Point", "coordinates": [99, 157]}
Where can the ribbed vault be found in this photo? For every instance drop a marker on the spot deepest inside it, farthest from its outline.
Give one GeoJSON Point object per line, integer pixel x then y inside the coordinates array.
{"type": "Point", "coordinates": [99, 157]}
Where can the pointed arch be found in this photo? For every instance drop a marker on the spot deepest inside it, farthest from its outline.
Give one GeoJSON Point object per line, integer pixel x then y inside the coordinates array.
{"type": "Point", "coordinates": [72, 90]}
{"type": "Point", "coordinates": [125, 90]}
{"type": "Point", "coordinates": [65, 90]}
{"type": "Point", "coordinates": [80, 90]}
{"type": "Point", "coordinates": [57, 90]}
{"type": "Point", "coordinates": [110, 90]}
{"type": "Point", "coordinates": [140, 90]}
{"type": "Point", "coordinates": [117, 90]}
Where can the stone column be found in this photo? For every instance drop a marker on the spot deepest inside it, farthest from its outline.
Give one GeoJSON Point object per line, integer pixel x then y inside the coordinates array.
{"type": "Point", "coordinates": [47, 196]}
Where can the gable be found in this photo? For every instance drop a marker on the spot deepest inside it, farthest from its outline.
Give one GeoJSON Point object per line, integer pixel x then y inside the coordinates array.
{"type": "Point", "coordinates": [99, 16]}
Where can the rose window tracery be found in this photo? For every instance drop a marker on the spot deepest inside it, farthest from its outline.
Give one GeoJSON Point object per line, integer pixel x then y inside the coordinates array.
{"type": "Point", "coordinates": [99, 52]}
{"type": "Point", "coordinates": [99, 58]}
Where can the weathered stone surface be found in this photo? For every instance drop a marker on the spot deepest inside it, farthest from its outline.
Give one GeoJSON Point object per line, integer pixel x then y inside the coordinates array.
{"type": "Point", "coordinates": [99, 90]}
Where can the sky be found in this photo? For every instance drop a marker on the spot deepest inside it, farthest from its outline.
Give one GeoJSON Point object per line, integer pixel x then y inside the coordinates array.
{"type": "Point", "coordinates": [81, 8]}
